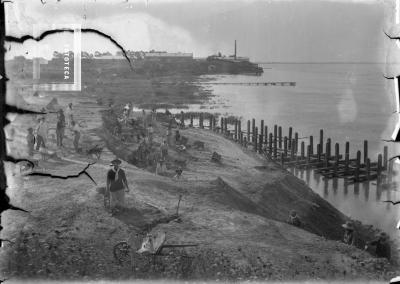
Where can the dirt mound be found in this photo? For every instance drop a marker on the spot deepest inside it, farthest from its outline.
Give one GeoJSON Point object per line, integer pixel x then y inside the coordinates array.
{"type": "Point", "coordinates": [278, 198]}
{"type": "Point", "coordinates": [225, 194]}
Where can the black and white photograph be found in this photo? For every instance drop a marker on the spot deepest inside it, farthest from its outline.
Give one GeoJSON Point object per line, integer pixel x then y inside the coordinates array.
{"type": "Point", "coordinates": [200, 141]}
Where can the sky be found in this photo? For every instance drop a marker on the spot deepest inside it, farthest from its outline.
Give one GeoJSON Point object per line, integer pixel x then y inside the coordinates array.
{"type": "Point", "coordinates": [266, 30]}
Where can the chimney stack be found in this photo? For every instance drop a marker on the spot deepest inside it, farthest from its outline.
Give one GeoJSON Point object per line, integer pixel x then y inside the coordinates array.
{"type": "Point", "coordinates": [235, 48]}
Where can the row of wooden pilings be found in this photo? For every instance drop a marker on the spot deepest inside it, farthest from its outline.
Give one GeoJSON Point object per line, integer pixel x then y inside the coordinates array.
{"type": "Point", "coordinates": [286, 151]}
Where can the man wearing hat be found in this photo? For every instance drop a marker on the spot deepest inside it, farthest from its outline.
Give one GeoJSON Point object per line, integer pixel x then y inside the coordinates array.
{"type": "Point", "coordinates": [116, 183]}
{"type": "Point", "coordinates": [382, 246]}
{"type": "Point", "coordinates": [349, 237]}
{"type": "Point", "coordinates": [60, 127]}
{"type": "Point", "coordinates": [294, 219]}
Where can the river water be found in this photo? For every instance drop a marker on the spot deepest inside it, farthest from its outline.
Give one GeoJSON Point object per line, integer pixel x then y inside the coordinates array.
{"type": "Point", "coordinates": [351, 102]}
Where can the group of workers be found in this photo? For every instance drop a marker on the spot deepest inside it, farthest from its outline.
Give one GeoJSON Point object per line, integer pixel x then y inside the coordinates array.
{"type": "Point", "coordinates": [39, 136]}
{"type": "Point", "coordinates": [381, 243]}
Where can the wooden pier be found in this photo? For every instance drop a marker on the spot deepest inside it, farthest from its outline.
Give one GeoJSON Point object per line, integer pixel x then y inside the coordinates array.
{"type": "Point", "coordinates": [283, 147]}
{"type": "Point", "coordinates": [281, 84]}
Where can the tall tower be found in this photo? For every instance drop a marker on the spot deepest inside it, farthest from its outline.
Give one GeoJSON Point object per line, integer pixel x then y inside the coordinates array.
{"type": "Point", "coordinates": [235, 48]}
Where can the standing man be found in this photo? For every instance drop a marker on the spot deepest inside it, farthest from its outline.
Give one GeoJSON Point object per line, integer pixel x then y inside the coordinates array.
{"type": "Point", "coordinates": [77, 135]}
{"type": "Point", "coordinates": [349, 236]}
{"type": "Point", "coordinates": [116, 183]}
{"type": "Point", "coordinates": [41, 134]}
{"type": "Point", "coordinates": [30, 139]}
{"type": "Point", "coordinates": [164, 150]}
{"type": "Point", "coordinates": [382, 246]}
{"type": "Point", "coordinates": [60, 127]}
{"type": "Point", "coordinates": [68, 113]}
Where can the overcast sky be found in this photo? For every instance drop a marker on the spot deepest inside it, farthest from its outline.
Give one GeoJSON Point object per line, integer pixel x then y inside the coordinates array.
{"type": "Point", "coordinates": [300, 31]}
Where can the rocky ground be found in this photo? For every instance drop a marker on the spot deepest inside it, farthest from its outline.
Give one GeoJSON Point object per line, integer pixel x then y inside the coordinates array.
{"type": "Point", "coordinates": [234, 210]}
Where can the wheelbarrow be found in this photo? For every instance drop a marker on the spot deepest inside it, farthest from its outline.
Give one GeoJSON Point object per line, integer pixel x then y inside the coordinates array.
{"type": "Point", "coordinates": [151, 246]}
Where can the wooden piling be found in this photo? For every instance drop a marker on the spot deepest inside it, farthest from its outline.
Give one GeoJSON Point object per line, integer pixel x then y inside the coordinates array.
{"type": "Point", "coordinates": [236, 130]}
{"type": "Point", "coordinates": [255, 138]}
{"type": "Point", "coordinates": [248, 130]}
{"type": "Point", "coordinates": [226, 125]}
{"type": "Point", "coordinates": [357, 171]}
{"type": "Point", "coordinates": [282, 160]}
{"type": "Point", "coordinates": [337, 155]}
{"type": "Point", "coordinates": [321, 138]}
{"type": "Point", "coordinates": [385, 158]}
{"type": "Point", "coordinates": [210, 122]}
{"type": "Point", "coordinates": [365, 151]}
{"type": "Point", "coordinates": [311, 144]}
{"type": "Point", "coordinates": [290, 137]}
{"type": "Point", "coordinates": [292, 151]}
{"type": "Point", "coordinates": [240, 129]}
{"type": "Point", "coordinates": [326, 154]}
{"type": "Point", "coordinates": [222, 125]}
{"type": "Point", "coordinates": [379, 170]}
{"type": "Point", "coordinates": [270, 145]}
{"type": "Point", "coordinates": [347, 156]}
{"type": "Point", "coordinates": [266, 134]}
{"type": "Point", "coordinates": [328, 150]}
{"type": "Point", "coordinates": [302, 149]}
{"type": "Point", "coordinates": [319, 152]}
{"type": "Point", "coordinates": [253, 129]}
{"type": "Point", "coordinates": [260, 144]}
{"type": "Point", "coordinates": [368, 165]}
{"type": "Point", "coordinates": [262, 130]}
{"type": "Point", "coordinates": [296, 142]}
{"type": "Point", "coordinates": [275, 147]}
{"type": "Point", "coordinates": [285, 145]}
{"type": "Point", "coordinates": [308, 154]}
{"type": "Point", "coordinates": [191, 120]}
{"type": "Point", "coordinates": [280, 136]}
{"type": "Point", "coordinates": [275, 134]}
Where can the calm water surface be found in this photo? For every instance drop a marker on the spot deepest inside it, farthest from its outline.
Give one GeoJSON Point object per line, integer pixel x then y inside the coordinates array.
{"type": "Point", "coordinates": [351, 102]}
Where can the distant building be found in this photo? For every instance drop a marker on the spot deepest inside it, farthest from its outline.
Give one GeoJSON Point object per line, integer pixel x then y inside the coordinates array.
{"type": "Point", "coordinates": [117, 57]}
{"type": "Point", "coordinates": [163, 55]}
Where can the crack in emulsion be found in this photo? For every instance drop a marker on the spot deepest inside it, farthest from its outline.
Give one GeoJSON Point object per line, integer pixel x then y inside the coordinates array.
{"type": "Point", "coordinates": [56, 31]}
{"type": "Point", "coordinates": [83, 172]}
{"type": "Point", "coordinates": [15, 109]}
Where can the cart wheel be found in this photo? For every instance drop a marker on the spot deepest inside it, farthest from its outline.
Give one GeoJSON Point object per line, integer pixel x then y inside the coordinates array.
{"type": "Point", "coordinates": [122, 252]}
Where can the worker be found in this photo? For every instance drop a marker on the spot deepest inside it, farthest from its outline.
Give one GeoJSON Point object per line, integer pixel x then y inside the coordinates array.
{"type": "Point", "coordinates": [30, 139]}
{"type": "Point", "coordinates": [164, 150]}
{"type": "Point", "coordinates": [77, 135]}
{"type": "Point", "coordinates": [116, 183]}
{"type": "Point", "coordinates": [349, 236]}
{"type": "Point", "coordinates": [41, 134]}
{"type": "Point", "coordinates": [60, 127]}
{"type": "Point", "coordinates": [294, 219]}
{"type": "Point", "coordinates": [177, 136]}
{"type": "Point", "coordinates": [69, 114]}
{"type": "Point", "coordinates": [382, 246]}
